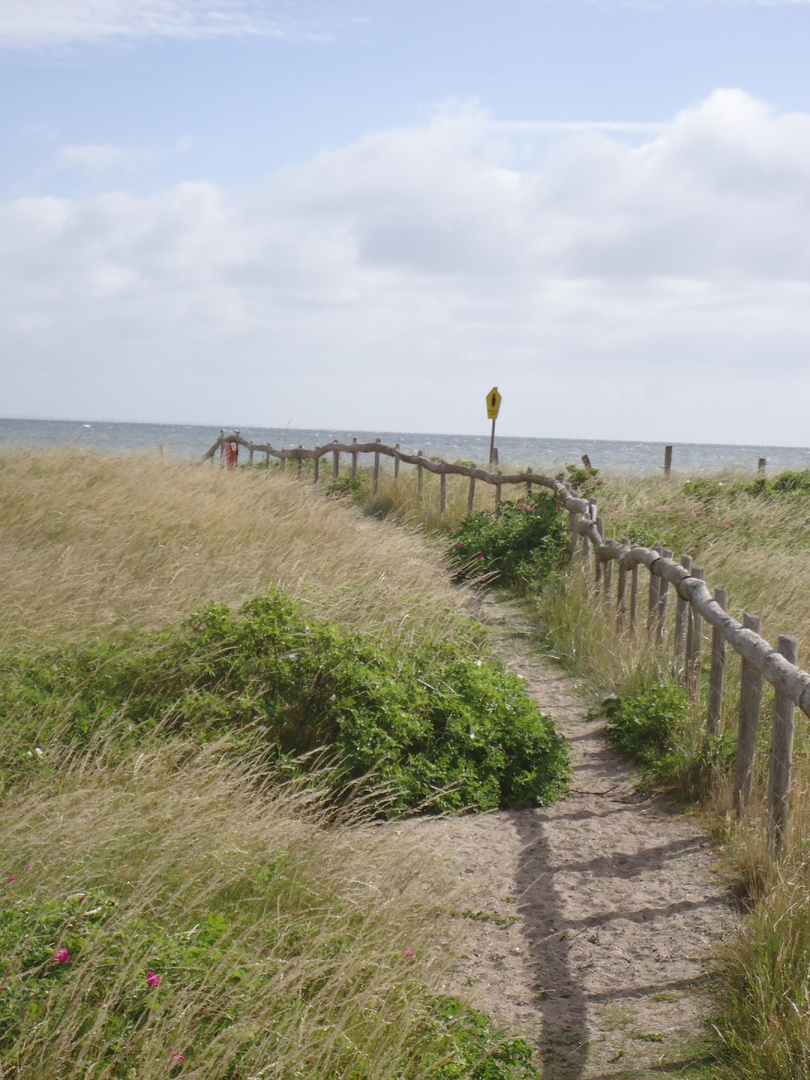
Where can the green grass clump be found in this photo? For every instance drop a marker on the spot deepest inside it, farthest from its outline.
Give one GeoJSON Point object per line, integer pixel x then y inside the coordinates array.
{"type": "Point", "coordinates": [520, 547]}
{"type": "Point", "coordinates": [442, 725]}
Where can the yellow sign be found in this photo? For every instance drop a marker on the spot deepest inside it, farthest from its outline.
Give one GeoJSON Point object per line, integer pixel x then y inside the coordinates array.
{"type": "Point", "coordinates": [493, 403]}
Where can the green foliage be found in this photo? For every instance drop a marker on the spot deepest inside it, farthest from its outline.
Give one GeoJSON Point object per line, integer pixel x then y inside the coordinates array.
{"type": "Point", "coordinates": [784, 483]}
{"type": "Point", "coordinates": [346, 487]}
{"type": "Point", "coordinates": [581, 478]}
{"type": "Point", "coordinates": [522, 546]}
{"type": "Point", "coordinates": [643, 725]}
{"type": "Point", "coordinates": [440, 717]}
{"type": "Point", "coordinates": [128, 970]}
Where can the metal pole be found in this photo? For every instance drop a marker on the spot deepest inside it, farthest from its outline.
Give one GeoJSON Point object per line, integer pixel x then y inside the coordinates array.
{"type": "Point", "coordinates": [492, 443]}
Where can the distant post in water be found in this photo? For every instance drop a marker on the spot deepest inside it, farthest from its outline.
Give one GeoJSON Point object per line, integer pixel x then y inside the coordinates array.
{"type": "Point", "coordinates": [493, 405]}
{"type": "Point", "coordinates": [667, 460]}
{"type": "Point", "coordinates": [761, 466]}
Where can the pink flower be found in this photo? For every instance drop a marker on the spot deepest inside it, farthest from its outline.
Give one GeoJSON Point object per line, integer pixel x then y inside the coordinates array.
{"type": "Point", "coordinates": [153, 980]}
{"type": "Point", "coordinates": [409, 953]}
{"type": "Point", "coordinates": [178, 1059]}
{"type": "Point", "coordinates": [726, 526]}
{"type": "Point", "coordinates": [11, 878]}
{"type": "Point", "coordinates": [61, 956]}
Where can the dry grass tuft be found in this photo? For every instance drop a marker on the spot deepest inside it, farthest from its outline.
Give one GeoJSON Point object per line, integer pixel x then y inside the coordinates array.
{"type": "Point", "coordinates": [92, 544]}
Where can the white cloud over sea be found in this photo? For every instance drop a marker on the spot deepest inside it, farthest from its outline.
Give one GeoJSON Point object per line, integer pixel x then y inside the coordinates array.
{"type": "Point", "coordinates": [642, 284]}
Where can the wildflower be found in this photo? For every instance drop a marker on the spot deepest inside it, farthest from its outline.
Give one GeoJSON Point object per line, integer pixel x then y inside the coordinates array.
{"type": "Point", "coordinates": [726, 526]}
{"type": "Point", "coordinates": [601, 481]}
{"type": "Point", "coordinates": [409, 953]}
{"type": "Point", "coordinates": [480, 556]}
{"type": "Point", "coordinates": [61, 956]}
{"type": "Point", "coordinates": [559, 507]}
{"type": "Point", "coordinates": [12, 878]}
{"type": "Point", "coordinates": [178, 1059]}
{"type": "Point", "coordinates": [461, 544]}
{"type": "Point", "coordinates": [153, 980]}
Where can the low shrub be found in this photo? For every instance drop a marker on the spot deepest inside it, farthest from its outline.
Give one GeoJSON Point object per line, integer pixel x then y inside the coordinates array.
{"type": "Point", "coordinates": [443, 724]}
{"type": "Point", "coordinates": [521, 547]}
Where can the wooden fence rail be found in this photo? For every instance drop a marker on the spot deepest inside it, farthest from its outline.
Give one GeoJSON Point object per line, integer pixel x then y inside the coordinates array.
{"type": "Point", "coordinates": [694, 604]}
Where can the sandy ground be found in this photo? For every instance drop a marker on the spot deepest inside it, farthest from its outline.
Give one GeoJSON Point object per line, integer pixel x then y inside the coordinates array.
{"type": "Point", "coordinates": [590, 923]}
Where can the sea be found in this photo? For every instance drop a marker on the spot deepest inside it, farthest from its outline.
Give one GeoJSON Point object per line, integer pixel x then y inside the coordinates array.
{"type": "Point", "coordinates": [549, 456]}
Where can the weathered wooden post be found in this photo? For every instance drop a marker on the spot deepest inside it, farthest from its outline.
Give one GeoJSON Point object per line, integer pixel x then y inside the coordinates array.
{"type": "Point", "coordinates": [663, 602]}
{"type": "Point", "coordinates": [716, 677]}
{"type": "Point", "coordinates": [442, 492]}
{"type": "Point", "coordinates": [621, 588]}
{"type": "Point", "coordinates": [300, 460]}
{"type": "Point", "coordinates": [761, 466]}
{"type": "Point", "coordinates": [376, 467]}
{"type": "Point", "coordinates": [529, 482]}
{"type": "Point", "coordinates": [633, 599]}
{"type": "Point", "coordinates": [586, 461]}
{"type": "Point", "coordinates": [268, 463]}
{"type": "Point", "coordinates": [420, 478]}
{"type": "Point", "coordinates": [335, 463]}
{"type": "Point", "coordinates": [498, 496]}
{"type": "Point", "coordinates": [748, 722]}
{"type": "Point", "coordinates": [652, 602]}
{"type": "Point", "coordinates": [694, 644]}
{"type": "Point", "coordinates": [607, 575]}
{"type": "Point", "coordinates": [597, 556]}
{"type": "Point", "coordinates": [396, 465]}
{"type": "Point", "coordinates": [250, 455]}
{"type": "Point", "coordinates": [573, 521]}
{"type": "Point", "coordinates": [471, 496]}
{"type": "Point", "coordinates": [781, 759]}
{"type": "Point", "coordinates": [667, 460]}
{"type": "Point", "coordinates": [316, 470]}
{"type": "Point", "coordinates": [681, 614]}
{"type": "Point", "coordinates": [354, 460]}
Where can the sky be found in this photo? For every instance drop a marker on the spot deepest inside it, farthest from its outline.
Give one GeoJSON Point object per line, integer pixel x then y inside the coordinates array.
{"type": "Point", "coordinates": [363, 214]}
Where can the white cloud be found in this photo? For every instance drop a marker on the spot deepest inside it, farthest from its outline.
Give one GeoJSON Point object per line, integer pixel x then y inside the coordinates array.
{"type": "Point", "coordinates": [659, 290]}
{"type": "Point", "coordinates": [42, 23]}
{"type": "Point", "coordinates": [95, 157]}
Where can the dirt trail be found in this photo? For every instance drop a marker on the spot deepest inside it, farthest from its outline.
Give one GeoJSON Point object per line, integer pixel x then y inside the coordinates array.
{"type": "Point", "coordinates": [595, 917]}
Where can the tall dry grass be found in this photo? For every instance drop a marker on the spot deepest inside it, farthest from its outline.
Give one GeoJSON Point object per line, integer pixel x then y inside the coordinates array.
{"type": "Point", "coordinates": [286, 943]}
{"type": "Point", "coordinates": [93, 544]}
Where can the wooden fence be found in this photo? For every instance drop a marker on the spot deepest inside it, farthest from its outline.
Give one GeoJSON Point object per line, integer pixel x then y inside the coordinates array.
{"type": "Point", "coordinates": [694, 605]}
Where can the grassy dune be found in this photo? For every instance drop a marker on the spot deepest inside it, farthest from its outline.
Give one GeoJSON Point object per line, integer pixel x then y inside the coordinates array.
{"type": "Point", "coordinates": [173, 903]}
{"type": "Point", "coordinates": [94, 544]}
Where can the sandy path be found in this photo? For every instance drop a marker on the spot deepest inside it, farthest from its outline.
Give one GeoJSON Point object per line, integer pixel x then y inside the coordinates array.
{"type": "Point", "coordinates": [599, 914]}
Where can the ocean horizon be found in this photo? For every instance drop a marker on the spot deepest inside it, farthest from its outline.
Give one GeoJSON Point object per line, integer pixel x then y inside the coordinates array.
{"type": "Point", "coordinates": [190, 441]}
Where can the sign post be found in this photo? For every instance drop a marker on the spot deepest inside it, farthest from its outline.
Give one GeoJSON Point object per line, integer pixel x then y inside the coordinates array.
{"type": "Point", "coordinates": [493, 405]}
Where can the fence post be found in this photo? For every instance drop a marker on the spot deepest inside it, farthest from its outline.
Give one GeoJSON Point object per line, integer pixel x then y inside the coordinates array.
{"type": "Point", "coordinates": [718, 670]}
{"type": "Point", "coordinates": [781, 758]}
{"type": "Point", "coordinates": [335, 463]}
{"type": "Point", "coordinates": [573, 521]}
{"type": "Point", "coordinates": [442, 493]}
{"type": "Point", "coordinates": [529, 482]}
{"type": "Point", "coordinates": [498, 497]}
{"type": "Point", "coordinates": [316, 470]}
{"type": "Point", "coordinates": [761, 466]}
{"type": "Point", "coordinates": [663, 601]}
{"type": "Point", "coordinates": [250, 455]}
{"type": "Point", "coordinates": [376, 467]}
{"type": "Point", "coordinates": [750, 700]}
{"type": "Point", "coordinates": [597, 556]}
{"type": "Point", "coordinates": [607, 575]}
{"type": "Point", "coordinates": [667, 460]}
{"type": "Point", "coordinates": [354, 460]}
{"type": "Point", "coordinates": [300, 460]}
{"type": "Point", "coordinates": [471, 497]}
{"type": "Point", "coordinates": [396, 465]}
{"type": "Point", "coordinates": [694, 644]}
{"type": "Point", "coordinates": [633, 599]}
{"type": "Point", "coordinates": [268, 463]}
{"type": "Point", "coordinates": [621, 589]}
{"type": "Point", "coordinates": [652, 603]}
{"type": "Point", "coordinates": [420, 478]}
{"type": "Point", "coordinates": [681, 613]}
{"type": "Point", "coordinates": [586, 461]}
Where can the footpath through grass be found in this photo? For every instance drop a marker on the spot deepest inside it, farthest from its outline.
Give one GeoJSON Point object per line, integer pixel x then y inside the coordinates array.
{"type": "Point", "coordinates": [752, 536]}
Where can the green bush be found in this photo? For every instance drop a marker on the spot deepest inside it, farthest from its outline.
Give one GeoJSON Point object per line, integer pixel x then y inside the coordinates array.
{"type": "Point", "coordinates": [521, 547]}
{"type": "Point", "coordinates": [644, 725]}
{"type": "Point", "coordinates": [446, 717]}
